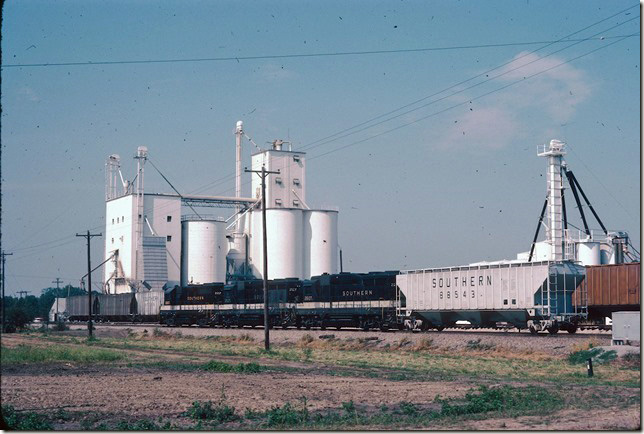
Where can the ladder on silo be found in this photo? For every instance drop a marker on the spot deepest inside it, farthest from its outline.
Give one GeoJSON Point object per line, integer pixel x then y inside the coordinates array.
{"type": "Point", "coordinates": [553, 285]}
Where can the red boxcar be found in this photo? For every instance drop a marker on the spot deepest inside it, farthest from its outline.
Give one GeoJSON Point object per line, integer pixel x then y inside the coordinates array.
{"type": "Point", "coordinates": [609, 288]}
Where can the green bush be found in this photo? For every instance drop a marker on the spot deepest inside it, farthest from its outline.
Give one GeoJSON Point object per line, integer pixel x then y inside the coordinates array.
{"type": "Point", "coordinates": [25, 421]}
{"type": "Point", "coordinates": [219, 413]}
{"type": "Point", "coordinates": [286, 415]}
{"type": "Point", "coordinates": [504, 398]}
{"type": "Point", "coordinates": [597, 354]}
{"type": "Point", "coordinates": [408, 409]}
{"type": "Point", "coordinates": [60, 326]}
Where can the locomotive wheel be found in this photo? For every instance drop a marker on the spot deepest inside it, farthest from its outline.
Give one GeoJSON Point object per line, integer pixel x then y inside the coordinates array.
{"type": "Point", "coordinates": [572, 329]}
{"type": "Point", "coordinates": [440, 328]}
{"type": "Point", "coordinates": [533, 330]}
{"type": "Point", "coordinates": [553, 330]}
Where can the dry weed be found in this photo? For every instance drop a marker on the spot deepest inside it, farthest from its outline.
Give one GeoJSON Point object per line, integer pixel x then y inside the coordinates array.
{"type": "Point", "coordinates": [425, 344]}
{"type": "Point", "coordinates": [304, 341]}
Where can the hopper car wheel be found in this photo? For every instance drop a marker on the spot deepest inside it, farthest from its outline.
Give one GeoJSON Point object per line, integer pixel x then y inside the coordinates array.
{"type": "Point", "coordinates": [440, 328]}
{"type": "Point", "coordinates": [572, 330]}
{"type": "Point", "coordinates": [553, 330]}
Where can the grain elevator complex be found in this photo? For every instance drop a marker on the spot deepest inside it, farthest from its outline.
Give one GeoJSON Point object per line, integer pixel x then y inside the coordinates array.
{"type": "Point", "coordinates": [165, 252]}
{"type": "Point", "coordinates": [150, 240]}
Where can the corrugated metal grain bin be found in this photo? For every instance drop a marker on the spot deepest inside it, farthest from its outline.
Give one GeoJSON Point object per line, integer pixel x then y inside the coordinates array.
{"type": "Point", "coordinates": [149, 302]}
{"type": "Point", "coordinates": [609, 286]}
{"type": "Point", "coordinates": [115, 305]}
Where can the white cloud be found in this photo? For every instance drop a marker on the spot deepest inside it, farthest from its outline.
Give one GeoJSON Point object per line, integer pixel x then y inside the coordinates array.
{"type": "Point", "coordinates": [542, 102]}
{"type": "Point", "coordinates": [488, 127]}
{"type": "Point", "coordinates": [26, 92]}
{"type": "Point", "coordinates": [559, 89]}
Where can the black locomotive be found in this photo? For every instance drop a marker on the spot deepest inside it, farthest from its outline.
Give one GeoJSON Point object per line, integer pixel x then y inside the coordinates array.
{"type": "Point", "coordinates": [366, 301]}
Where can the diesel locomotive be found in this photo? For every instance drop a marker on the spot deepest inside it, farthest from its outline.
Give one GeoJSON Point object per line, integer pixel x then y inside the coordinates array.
{"type": "Point", "coordinates": [355, 300]}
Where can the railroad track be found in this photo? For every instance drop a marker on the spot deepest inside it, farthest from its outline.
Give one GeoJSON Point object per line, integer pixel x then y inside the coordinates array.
{"type": "Point", "coordinates": [464, 330]}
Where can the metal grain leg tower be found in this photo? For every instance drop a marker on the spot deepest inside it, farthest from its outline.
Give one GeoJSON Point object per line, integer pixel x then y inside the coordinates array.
{"type": "Point", "coordinates": [555, 238]}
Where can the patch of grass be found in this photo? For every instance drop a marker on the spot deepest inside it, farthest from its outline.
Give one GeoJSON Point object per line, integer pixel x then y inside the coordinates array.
{"type": "Point", "coordinates": [632, 361]}
{"type": "Point", "coordinates": [477, 345]}
{"type": "Point", "coordinates": [25, 421]}
{"type": "Point", "coordinates": [598, 355]}
{"type": "Point", "coordinates": [62, 414]}
{"type": "Point", "coordinates": [403, 365]}
{"type": "Point", "coordinates": [287, 415]}
{"type": "Point", "coordinates": [218, 413]}
{"type": "Point", "coordinates": [505, 399]}
{"type": "Point", "coordinates": [408, 409]}
{"type": "Point", "coordinates": [158, 333]}
{"type": "Point", "coordinates": [245, 337]}
{"type": "Point", "coordinates": [242, 368]}
{"type": "Point", "coordinates": [424, 344]}
{"type": "Point", "coordinates": [60, 326]}
{"type": "Point", "coordinates": [57, 353]}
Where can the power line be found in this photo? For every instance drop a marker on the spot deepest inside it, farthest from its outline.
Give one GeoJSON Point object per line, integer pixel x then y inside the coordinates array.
{"type": "Point", "coordinates": [563, 39]}
{"type": "Point", "coordinates": [279, 56]}
{"type": "Point", "coordinates": [334, 137]}
{"type": "Point", "coordinates": [470, 99]}
{"type": "Point", "coordinates": [225, 178]}
{"type": "Point", "coordinates": [313, 145]}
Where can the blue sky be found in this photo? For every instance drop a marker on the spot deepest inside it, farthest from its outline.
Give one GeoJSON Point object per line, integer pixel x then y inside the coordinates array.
{"type": "Point", "coordinates": [460, 183]}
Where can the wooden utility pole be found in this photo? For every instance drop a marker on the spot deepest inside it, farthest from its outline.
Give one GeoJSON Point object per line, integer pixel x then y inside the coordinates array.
{"type": "Point", "coordinates": [4, 278]}
{"type": "Point", "coordinates": [263, 174]}
{"type": "Point", "coordinates": [57, 282]}
{"type": "Point", "coordinates": [89, 236]}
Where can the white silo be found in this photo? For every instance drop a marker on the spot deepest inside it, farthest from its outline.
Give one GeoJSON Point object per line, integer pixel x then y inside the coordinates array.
{"type": "Point", "coordinates": [588, 252]}
{"type": "Point", "coordinates": [284, 240]}
{"type": "Point", "coordinates": [203, 251]}
{"type": "Point", "coordinates": [320, 242]}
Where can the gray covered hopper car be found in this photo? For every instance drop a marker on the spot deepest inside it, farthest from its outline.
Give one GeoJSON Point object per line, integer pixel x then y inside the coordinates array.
{"type": "Point", "coordinates": [534, 295]}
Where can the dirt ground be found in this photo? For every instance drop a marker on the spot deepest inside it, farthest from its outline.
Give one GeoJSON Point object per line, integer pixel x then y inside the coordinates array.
{"type": "Point", "coordinates": [121, 391]}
